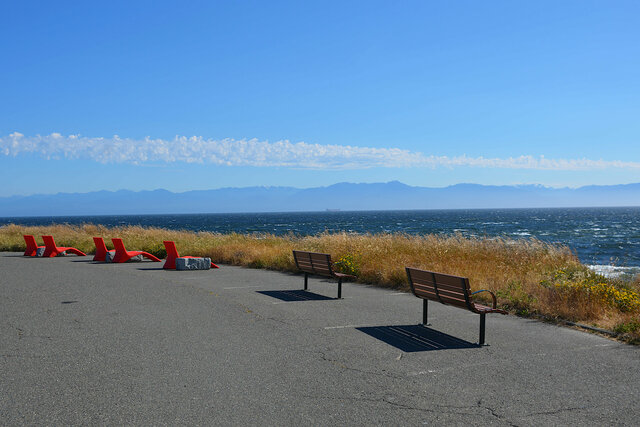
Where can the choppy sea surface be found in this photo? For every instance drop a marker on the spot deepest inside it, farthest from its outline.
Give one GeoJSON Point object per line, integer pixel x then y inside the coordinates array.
{"type": "Point", "coordinates": [607, 239]}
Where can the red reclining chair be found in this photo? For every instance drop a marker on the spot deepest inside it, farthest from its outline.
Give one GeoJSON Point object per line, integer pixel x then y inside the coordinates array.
{"type": "Point", "coordinates": [51, 250]}
{"type": "Point", "coordinates": [32, 246]}
{"type": "Point", "coordinates": [123, 255]}
{"type": "Point", "coordinates": [101, 249]}
{"type": "Point", "coordinates": [172, 254]}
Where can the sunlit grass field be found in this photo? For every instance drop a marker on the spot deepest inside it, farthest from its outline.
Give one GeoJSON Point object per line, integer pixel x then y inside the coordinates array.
{"type": "Point", "coordinates": [530, 277]}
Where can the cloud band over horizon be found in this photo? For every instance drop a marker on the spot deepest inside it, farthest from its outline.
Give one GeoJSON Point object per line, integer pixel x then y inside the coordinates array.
{"type": "Point", "coordinates": [252, 152]}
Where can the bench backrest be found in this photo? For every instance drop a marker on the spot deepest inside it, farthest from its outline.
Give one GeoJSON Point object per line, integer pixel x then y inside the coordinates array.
{"type": "Point", "coordinates": [170, 246]}
{"type": "Point", "coordinates": [101, 249]}
{"type": "Point", "coordinates": [32, 246]}
{"type": "Point", "coordinates": [450, 290]}
{"type": "Point", "coordinates": [118, 245]}
{"type": "Point", "coordinates": [314, 263]}
{"type": "Point", "coordinates": [49, 242]}
{"type": "Point", "coordinates": [100, 245]}
{"type": "Point", "coordinates": [172, 254]}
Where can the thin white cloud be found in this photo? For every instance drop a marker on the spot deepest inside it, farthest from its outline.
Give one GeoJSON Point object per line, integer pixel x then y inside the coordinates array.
{"type": "Point", "coordinates": [253, 152]}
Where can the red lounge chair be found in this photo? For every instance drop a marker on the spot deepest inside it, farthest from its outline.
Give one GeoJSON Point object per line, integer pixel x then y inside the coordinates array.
{"type": "Point", "coordinates": [32, 246]}
{"type": "Point", "coordinates": [51, 250]}
{"type": "Point", "coordinates": [172, 254]}
{"type": "Point", "coordinates": [101, 249]}
{"type": "Point", "coordinates": [123, 255]}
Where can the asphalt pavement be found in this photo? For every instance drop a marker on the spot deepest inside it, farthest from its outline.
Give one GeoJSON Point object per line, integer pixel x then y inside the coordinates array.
{"type": "Point", "coordinates": [94, 343]}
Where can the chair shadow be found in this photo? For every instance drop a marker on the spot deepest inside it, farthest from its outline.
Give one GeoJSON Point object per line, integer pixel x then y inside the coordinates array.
{"type": "Point", "coordinates": [80, 258]}
{"type": "Point", "coordinates": [414, 338]}
{"type": "Point", "coordinates": [295, 295]}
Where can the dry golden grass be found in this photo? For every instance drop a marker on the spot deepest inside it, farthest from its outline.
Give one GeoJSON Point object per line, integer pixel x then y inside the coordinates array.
{"type": "Point", "coordinates": [529, 276]}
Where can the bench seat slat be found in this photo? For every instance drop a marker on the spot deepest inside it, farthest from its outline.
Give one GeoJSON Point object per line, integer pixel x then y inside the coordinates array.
{"type": "Point", "coordinates": [443, 295]}
{"type": "Point", "coordinates": [445, 298]}
{"type": "Point", "coordinates": [449, 284]}
{"type": "Point", "coordinates": [459, 289]}
{"type": "Point", "coordinates": [448, 301]}
{"type": "Point", "coordinates": [319, 271]}
{"type": "Point", "coordinates": [449, 281]}
{"type": "Point", "coordinates": [317, 265]}
{"type": "Point", "coordinates": [429, 275]}
{"type": "Point", "coordinates": [445, 285]}
{"type": "Point", "coordinates": [448, 292]}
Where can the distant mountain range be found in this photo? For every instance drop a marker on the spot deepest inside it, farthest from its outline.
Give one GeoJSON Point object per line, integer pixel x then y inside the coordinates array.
{"type": "Point", "coordinates": [343, 196]}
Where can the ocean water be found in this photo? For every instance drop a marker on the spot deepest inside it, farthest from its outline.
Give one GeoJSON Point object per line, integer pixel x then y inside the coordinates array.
{"type": "Point", "coordinates": [607, 239]}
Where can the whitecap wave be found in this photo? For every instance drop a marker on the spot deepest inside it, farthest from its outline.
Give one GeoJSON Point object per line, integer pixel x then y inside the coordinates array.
{"type": "Point", "coordinates": [614, 271]}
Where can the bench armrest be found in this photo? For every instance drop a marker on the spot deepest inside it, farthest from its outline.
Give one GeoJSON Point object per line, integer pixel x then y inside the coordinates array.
{"type": "Point", "coordinates": [493, 296]}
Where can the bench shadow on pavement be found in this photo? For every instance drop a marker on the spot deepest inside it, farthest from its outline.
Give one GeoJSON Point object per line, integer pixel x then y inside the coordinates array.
{"type": "Point", "coordinates": [295, 295]}
{"type": "Point", "coordinates": [414, 338]}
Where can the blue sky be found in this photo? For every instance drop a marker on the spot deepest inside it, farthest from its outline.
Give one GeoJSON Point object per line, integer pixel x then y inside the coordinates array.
{"type": "Point", "coordinates": [199, 95]}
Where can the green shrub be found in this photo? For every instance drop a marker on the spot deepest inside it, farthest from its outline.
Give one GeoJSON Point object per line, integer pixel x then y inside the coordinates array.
{"type": "Point", "coordinates": [595, 287]}
{"type": "Point", "coordinates": [516, 297]}
{"type": "Point", "coordinates": [627, 327]}
{"type": "Point", "coordinates": [347, 264]}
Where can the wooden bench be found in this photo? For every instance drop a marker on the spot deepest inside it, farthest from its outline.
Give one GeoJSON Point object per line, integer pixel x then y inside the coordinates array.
{"type": "Point", "coordinates": [448, 290]}
{"type": "Point", "coordinates": [319, 265]}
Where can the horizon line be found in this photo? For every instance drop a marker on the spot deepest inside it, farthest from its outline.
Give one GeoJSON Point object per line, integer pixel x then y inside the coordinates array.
{"type": "Point", "coordinates": [328, 211]}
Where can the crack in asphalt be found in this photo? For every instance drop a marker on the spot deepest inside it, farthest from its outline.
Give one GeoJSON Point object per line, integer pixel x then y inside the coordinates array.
{"type": "Point", "coordinates": [20, 331]}
{"type": "Point", "coordinates": [494, 413]}
{"type": "Point", "coordinates": [23, 335]}
{"type": "Point", "coordinates": [374, 400]}
{"type": "Point", "coordinates": [557, 411]}
{"type": "Point", "coordinates": [339, 364]}
{"type": "Point", "coordinates": [437, 409]}
{"type": "Point", "coordinates": [273, 319]}
{"type": "Point", "coordinates": [258, 316]}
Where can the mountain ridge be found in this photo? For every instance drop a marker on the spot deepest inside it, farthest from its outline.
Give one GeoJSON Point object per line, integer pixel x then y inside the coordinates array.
{"type": "Point", "coordinates": [343, 195]}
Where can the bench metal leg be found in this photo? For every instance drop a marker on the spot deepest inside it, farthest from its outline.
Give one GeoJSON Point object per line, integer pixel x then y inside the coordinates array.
{"type": "Point", "coordinates": [482, 325]}
{"type": "Point", "coordinates": [425, 310]}
{"type": "Point", "coordinates": [339, 288]}
{"type": "Point", "coordinates": [306, 280]}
